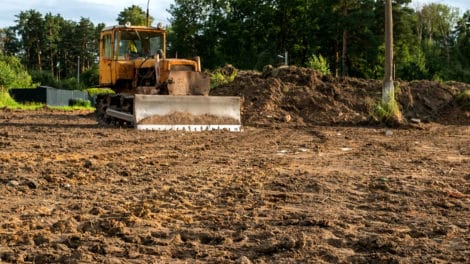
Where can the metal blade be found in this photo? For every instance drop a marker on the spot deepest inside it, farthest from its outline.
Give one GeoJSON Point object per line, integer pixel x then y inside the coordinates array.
{"type": "Point", "coordinates": [195, 113]}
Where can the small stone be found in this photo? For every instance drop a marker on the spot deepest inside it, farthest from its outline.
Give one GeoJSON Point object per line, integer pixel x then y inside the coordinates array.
{"type": "Point", "coordinates": [388, 133]}
{"type": "Point", "coordinates": [67, 186]}
{"type": "Point", "coordinates": [244, 260]}
{"type": "Point", "coordinates": [13, 183]}
{"type": "Point", "coordinates": [415, 120]}
{"type": "Point", "coordinates": [287, 118]}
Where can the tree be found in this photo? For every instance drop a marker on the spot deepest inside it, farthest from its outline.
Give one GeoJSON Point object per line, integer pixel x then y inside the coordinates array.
{"type": "Point", "coordinates": [30, 26]}
{"type": "Point", "coordinates": [436, 23]}
{"type": "Point", "coordinates": [135, 15]}
{"type": "Point", "coordinates": [461, 65]}
{"type": "Point", "coordinates": [9, 43]}
{"type": "Point", "coordinates": [52, 38]}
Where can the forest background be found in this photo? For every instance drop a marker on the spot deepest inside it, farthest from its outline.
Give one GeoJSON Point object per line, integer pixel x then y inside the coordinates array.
{"type": "Point", "coordinates": [339, 37]}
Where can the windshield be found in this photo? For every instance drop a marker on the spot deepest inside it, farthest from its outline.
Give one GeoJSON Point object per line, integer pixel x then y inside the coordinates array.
{"type": "Point", "coordinates": [134, 44]}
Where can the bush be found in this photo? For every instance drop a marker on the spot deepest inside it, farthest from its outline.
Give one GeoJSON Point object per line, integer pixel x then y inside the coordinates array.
{"type": "Point", "coordinates": [90, 77]}
{"type": "Point", "coordinates": [71, 84]}
{"type": "Point", "coordinates": [463, 99]}
{"type": "Point", "coordinates": [13, 74]}
{"type": "Point", "coordinates": [79, 102]}
{"type": "Point", "coordinates": [45, 78]}
{"type": "Point", "coordinates": [7, 75]}
{"type": "Point", "coordinates": [388, 113]}
{"type": "Point", "coordinates": [97, 91]}
{"type": "Point", "coordinates": [319, 63]}
{"type": "Point", "coordinates": [223, 75]}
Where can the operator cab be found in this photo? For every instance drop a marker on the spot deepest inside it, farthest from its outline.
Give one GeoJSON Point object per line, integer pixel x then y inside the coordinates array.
{"type": "Point", "coordinates": [127, 56]}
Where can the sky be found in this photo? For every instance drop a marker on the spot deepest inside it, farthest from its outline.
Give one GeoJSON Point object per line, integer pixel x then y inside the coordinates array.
{"type": "Point", "coordinates": [106, 11]}
{"type": "Point", "coordinates": [463, 5]}
{"type": "Point", "coordinates": [97, 11]}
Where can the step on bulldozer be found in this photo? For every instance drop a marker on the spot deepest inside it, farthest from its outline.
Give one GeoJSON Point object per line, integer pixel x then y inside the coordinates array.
{"type": "Point", "coordinates": [153, 92]}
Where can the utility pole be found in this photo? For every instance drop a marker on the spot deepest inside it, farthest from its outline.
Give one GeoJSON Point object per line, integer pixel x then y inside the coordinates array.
{"type": "Point", "coordinates": [78, 71]}
{"type": "Point", "coordinates": [388, 89]}
{"type": "Point", "coordinates": [148, 19]}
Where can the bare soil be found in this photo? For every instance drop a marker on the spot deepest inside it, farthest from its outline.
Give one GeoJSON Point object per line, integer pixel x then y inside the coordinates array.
{"type": "Point", "coordinates": [312, 188]}
{"type": "Point", "coordinates": [185, 118]}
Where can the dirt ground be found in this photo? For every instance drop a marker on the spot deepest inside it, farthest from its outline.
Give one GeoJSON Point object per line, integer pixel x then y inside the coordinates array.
{"type": "Point", "coordinates": [285, 190]}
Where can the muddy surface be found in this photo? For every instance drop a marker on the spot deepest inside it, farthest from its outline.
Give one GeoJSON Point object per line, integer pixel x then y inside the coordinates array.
{"type": "Point", "coordinates": [309, 188]}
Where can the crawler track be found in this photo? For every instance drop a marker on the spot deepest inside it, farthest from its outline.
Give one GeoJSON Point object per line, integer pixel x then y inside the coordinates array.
{"type": "Point", "coordinates": [118, 102]}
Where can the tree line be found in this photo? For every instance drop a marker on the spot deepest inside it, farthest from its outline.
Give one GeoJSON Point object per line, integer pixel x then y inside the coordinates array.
{"type": "Point", "coordinates": [51, 47]}
{"type": "Point", "coordinates": [431, 42]}
{"type": "Point", "coordinates": [341, 37]}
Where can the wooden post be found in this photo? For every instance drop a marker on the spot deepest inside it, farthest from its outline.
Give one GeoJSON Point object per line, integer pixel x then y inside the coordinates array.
{"type": "Point", "coordinates": [388, 89]}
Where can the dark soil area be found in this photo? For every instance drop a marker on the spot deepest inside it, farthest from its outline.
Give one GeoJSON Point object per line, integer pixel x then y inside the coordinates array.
{"type": "Point", "coordinates": [311, 179]}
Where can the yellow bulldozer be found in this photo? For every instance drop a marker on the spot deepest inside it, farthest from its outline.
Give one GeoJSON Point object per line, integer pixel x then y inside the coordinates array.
{"type": "Point", "coordinates": [154, 92]}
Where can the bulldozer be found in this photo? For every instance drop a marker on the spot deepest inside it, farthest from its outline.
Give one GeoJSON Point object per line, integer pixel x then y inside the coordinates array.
{"type": "Point", "coordinates": [153, 92]}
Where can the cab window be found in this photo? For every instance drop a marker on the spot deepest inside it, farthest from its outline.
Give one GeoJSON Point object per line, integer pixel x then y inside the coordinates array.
{"type": "Point", "coordinates": [107, 46]}
{"type": "Point", "coordinates": [134, 44]}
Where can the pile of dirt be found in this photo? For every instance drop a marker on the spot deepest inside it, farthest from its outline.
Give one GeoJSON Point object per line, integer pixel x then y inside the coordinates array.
{"type": "Point", "coordinates": [303, 96]}
{"type": "Point", "coordinates": [185, 118]}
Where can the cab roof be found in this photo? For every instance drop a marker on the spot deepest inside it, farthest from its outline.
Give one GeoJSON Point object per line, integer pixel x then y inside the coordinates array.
{"type": "Point", "coordinates": [131, 27]}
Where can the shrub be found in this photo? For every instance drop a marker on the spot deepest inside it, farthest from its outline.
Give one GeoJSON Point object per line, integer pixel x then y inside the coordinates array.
{"type": "Point", "coordinates": [96, 91]}
{"type": "Point", "coordinates": [223, 75]}
{"type": "Point", "coordinates": [90, 77]}
{"type": "Point", "coordinates": [45, 78]}
{"type": "Point", "coordinates": [463, 99]}
{"type": "Point", "coordinates": [388, 113]}
{"type": "Point", "coordinates": [13, 74]}
{"type": "Point", "coordinates": [70, 84]}
{"type": "Point", "coordinates": [319, 63]}
{"type": "Point", "coordinates": [79, 102]}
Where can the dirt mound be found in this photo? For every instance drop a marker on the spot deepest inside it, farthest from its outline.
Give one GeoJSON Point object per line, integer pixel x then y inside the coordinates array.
{"type": "Point", "coordinates": [302, 96]}
{"type": "Point", "coordinates": [185, 118]}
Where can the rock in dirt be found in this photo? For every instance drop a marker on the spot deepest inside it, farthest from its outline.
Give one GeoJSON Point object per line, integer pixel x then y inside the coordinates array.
{"type": "Point", "coordinates": [244, 260]}
{"type": "Point", "coordinates": [13, 183]}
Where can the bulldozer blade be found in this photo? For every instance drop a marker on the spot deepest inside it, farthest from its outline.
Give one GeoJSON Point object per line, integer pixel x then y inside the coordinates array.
{"type": "Point", "coordinates": [191, 113]}
{"type": "Point", "coordinates": [188, 83]}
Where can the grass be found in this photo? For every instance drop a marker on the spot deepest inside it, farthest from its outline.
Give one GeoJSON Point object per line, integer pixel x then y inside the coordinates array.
{"type": "Point", "coordinates": [6, 101]}
{"type": "Point", "coordinates": [71, 108]}
{"type": "Point", "coordinates": [388, 113]}
{"type": "Point", "coordinates": [223, 76]}
{"type": "Point", "coordinates": [96, 91]}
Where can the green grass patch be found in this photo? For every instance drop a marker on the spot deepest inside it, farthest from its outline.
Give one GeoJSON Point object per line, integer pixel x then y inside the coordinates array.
{"type": "Point", "coordinates": [72, 108]}
{"type": "Point", "coordinates": [223, 76]}
{"type": "Point", "coordinates": [96, 91]}
{"type": "Point", "coordinates": [388, 113]}
{"type": "Point", "coordinates": [7, 102]}
{"type": "Point", "coordinates": [463, 99]}
{"type": "Point", "coordinates": [79, 103]}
